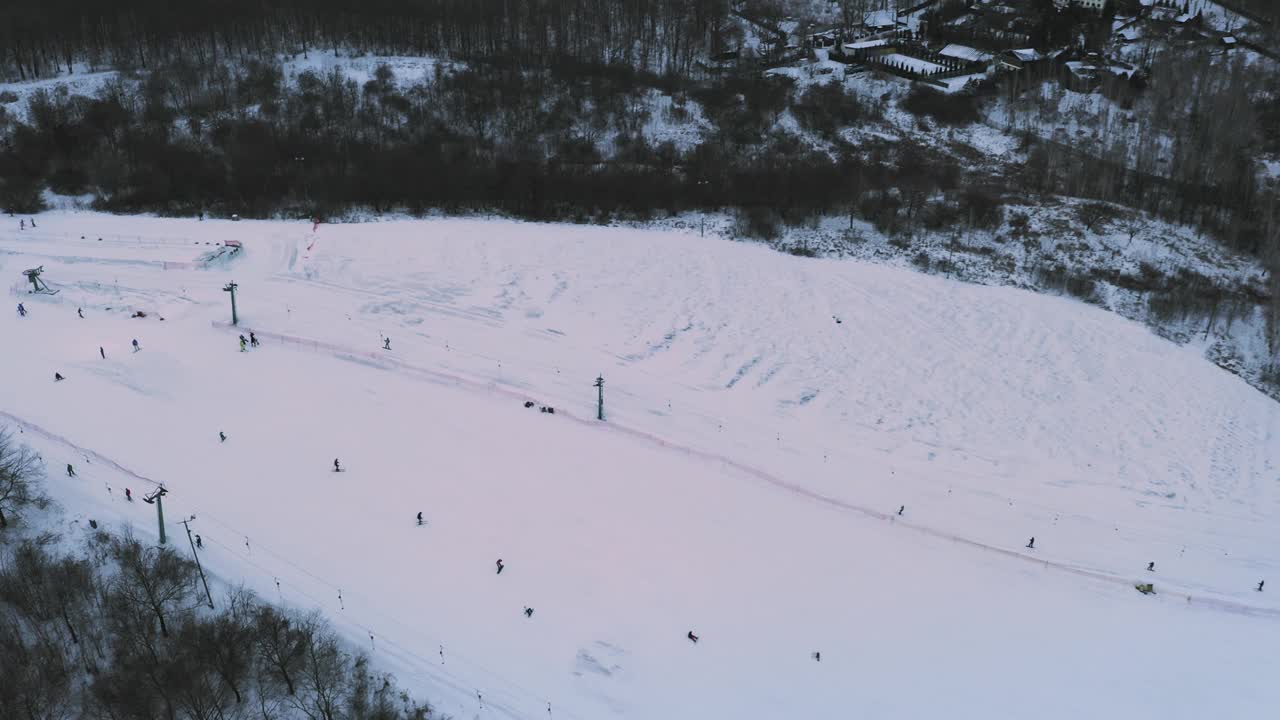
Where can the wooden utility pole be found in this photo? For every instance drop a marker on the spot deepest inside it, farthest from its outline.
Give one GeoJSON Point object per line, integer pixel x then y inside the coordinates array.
{"type": "Point", "coordinates": [194, 554]}
{"type": "Point", "coordinates": [231, 288]}
{"type": "Point", "coordinates": [599, 386]}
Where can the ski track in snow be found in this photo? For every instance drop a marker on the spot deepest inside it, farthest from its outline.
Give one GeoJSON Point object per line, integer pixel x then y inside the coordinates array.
{"type": "Point", "coordinates": [992, 414]}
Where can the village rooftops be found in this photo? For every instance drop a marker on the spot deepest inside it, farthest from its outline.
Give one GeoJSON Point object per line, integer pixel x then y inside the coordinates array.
{"type": "Point", "coordinates": [1026, 55]}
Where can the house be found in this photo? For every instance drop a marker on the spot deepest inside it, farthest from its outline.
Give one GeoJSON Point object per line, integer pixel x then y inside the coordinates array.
{"type": "Point", "coordinates": [1229, 41]}
{"type": "Point", "coordinates": [1094, 5]}
{"type": "Point", "coordinates": [965, 53]}
{"type": "Point", "coordinates": [1018, 59]}
{"type": "Point", "coordinates": [880, 20]}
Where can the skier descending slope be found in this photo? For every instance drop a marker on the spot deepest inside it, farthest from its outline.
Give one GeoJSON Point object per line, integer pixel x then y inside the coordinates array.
{"type": "Point", "coordinates": [336, 466]}
{"type": "Point", "coordinates": [692, 638]}
{"type": "Point", "coordinates": [500, 566]}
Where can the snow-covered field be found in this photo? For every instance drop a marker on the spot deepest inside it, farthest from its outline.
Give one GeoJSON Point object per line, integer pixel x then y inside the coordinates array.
{"type": "Point", "coordinates": [766, 418]}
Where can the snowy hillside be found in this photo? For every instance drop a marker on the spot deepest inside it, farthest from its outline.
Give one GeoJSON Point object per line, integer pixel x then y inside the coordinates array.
{"type": "Point", "coordinates": [767, 416]}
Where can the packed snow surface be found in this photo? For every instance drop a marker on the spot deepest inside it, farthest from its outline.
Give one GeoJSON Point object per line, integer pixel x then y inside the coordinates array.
{"type": "Point", "coordinates": [766, 418]}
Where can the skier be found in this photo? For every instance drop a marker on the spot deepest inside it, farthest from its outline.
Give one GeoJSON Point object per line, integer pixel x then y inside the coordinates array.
{"type": "Point", "coordinates": [71, 472]}
{"type": "Point", "coordinates": [128, 494]}
{"type": "Point", "coordinates": [242, 343]}
{"type": "Point", "coordinates": [1260, 584]}
{"type": "Point", "coordinates": [1151, 567]}
{"type": "Point", "coordinates": [528, 612]}
{"type": "Point", "coordinates": [253, 340]}
{"type": "Point", "coordinates": [692, 638]}
{"type": "Point", "coordinates": [222, 437]}
{"type": "Point", "coordinates": [22, 310]}
{"type": "Point", "coordinates": [336, 466]}
{"type": "Point", "coordinates": [80, 312]}
{"type": "Point", "coordinates": [900, 509]}
{"type": "Point", "coordinates": [33, 223]}
{"type": "Point", "coordinates": [386, 344]}
{"type": "Point", "coordinates": [500, 566]}
{"type": "Point", "coordinates": [1032, 544]}
{"type": "Point", "coordinates": [57, 377]}
{"type": "Point", "coordinates": [135, 345]}
{"type": "Point", "coordinates": [817, 656]}
{"type": "Point", "coordinates": [199, 543]}
{"type": "Point", "coordinates": [419, 518]}
{"type": "Point", "coordinates": [22, 224]}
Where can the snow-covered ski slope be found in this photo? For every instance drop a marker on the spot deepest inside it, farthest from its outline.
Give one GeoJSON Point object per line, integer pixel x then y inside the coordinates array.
{"type": "Point", "coordinates": [766, 417]}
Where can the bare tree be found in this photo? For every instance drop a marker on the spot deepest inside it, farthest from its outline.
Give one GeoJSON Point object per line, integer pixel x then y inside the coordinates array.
{"type": "Point", "coordinates": [154, 579]}
{"type": "Point", "coordinates": [20, 472]}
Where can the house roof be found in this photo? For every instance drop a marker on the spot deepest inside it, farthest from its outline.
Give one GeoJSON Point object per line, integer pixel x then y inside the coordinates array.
{"type": "Point", "coordinates": [1026, 54]}
{"type": "Point", "coordinates": [880, 18]}
{"type": "Point", "coordinates": [864, 44]}
{"type": "Point", "coordinates": [964, 52]}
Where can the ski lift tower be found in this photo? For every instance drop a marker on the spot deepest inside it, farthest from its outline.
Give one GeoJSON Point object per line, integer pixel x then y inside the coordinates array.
{"type": "Point", "coordinates": [38, 285]}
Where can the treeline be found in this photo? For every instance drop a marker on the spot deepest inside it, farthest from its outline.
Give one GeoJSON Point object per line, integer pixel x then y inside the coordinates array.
{"type": "Point", "coordinates": [39, 37]}
{"type": "Point", "coordinates": [567, 142]}
{"type": "Point", "coordinates": [121, 630]}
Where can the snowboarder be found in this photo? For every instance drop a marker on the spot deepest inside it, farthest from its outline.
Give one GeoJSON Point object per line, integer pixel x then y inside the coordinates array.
{"type": "Point", "coordinates": [33, 223]}
{"type": "Point", "coordinates": [1151, 567]}
{"type": "Point", "coordinates": [128, 494]}
{"type": "Point", "coordinates": [199, 543]}
{"type": "Point", "coordinates": [1032, 544]}
{"type": "Point", "coordinates": [242, 343]}
{"type": "Point", "coordinates": [80, 312]}
{"type": "Point", "coordinates": [1260, 584]}
{"type": "Point", "coordinates": [692, 638]}
{"type": "Point", "coordinates": [336, 466]}
{"type": "Point", "coordinates": [222, 437]}
{"type": "Point", "coordinates": [900, 509]}
{"type": "Point", "coordinates": [386, 343]}
{"type": "Point", "coordinates": [528, 612]}
{"type": "Point", "coordinates": [22, 310]}
{"type": "Point", "coordinates": [135, 345]}
{"type": "Point", "coordinates": [253, 340]}
{"type": "Point", "coordinates": [57, 377]}
{"type": "Point", "coordinates": [71, 472]}
{"type": "Point", "coordinates": [419, 518]}
{"type": "Point", "coordinates": [102, 352]}
{"type": "Point", "coordinates": [500, 566]}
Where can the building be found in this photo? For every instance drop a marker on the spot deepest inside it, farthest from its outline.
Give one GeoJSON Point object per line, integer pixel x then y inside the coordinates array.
{"type": "Point", "coordinates": [1019, 59]}
{"type": "Point", "coordinates": [1094, 5]}
{"type": "Point", "coordinates": [966, 53]}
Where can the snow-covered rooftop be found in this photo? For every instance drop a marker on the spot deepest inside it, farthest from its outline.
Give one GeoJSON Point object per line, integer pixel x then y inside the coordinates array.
{"type": "Point", "coordinates": [964, 52]}
{"type": "Point", "coordinates": [880, 19]}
